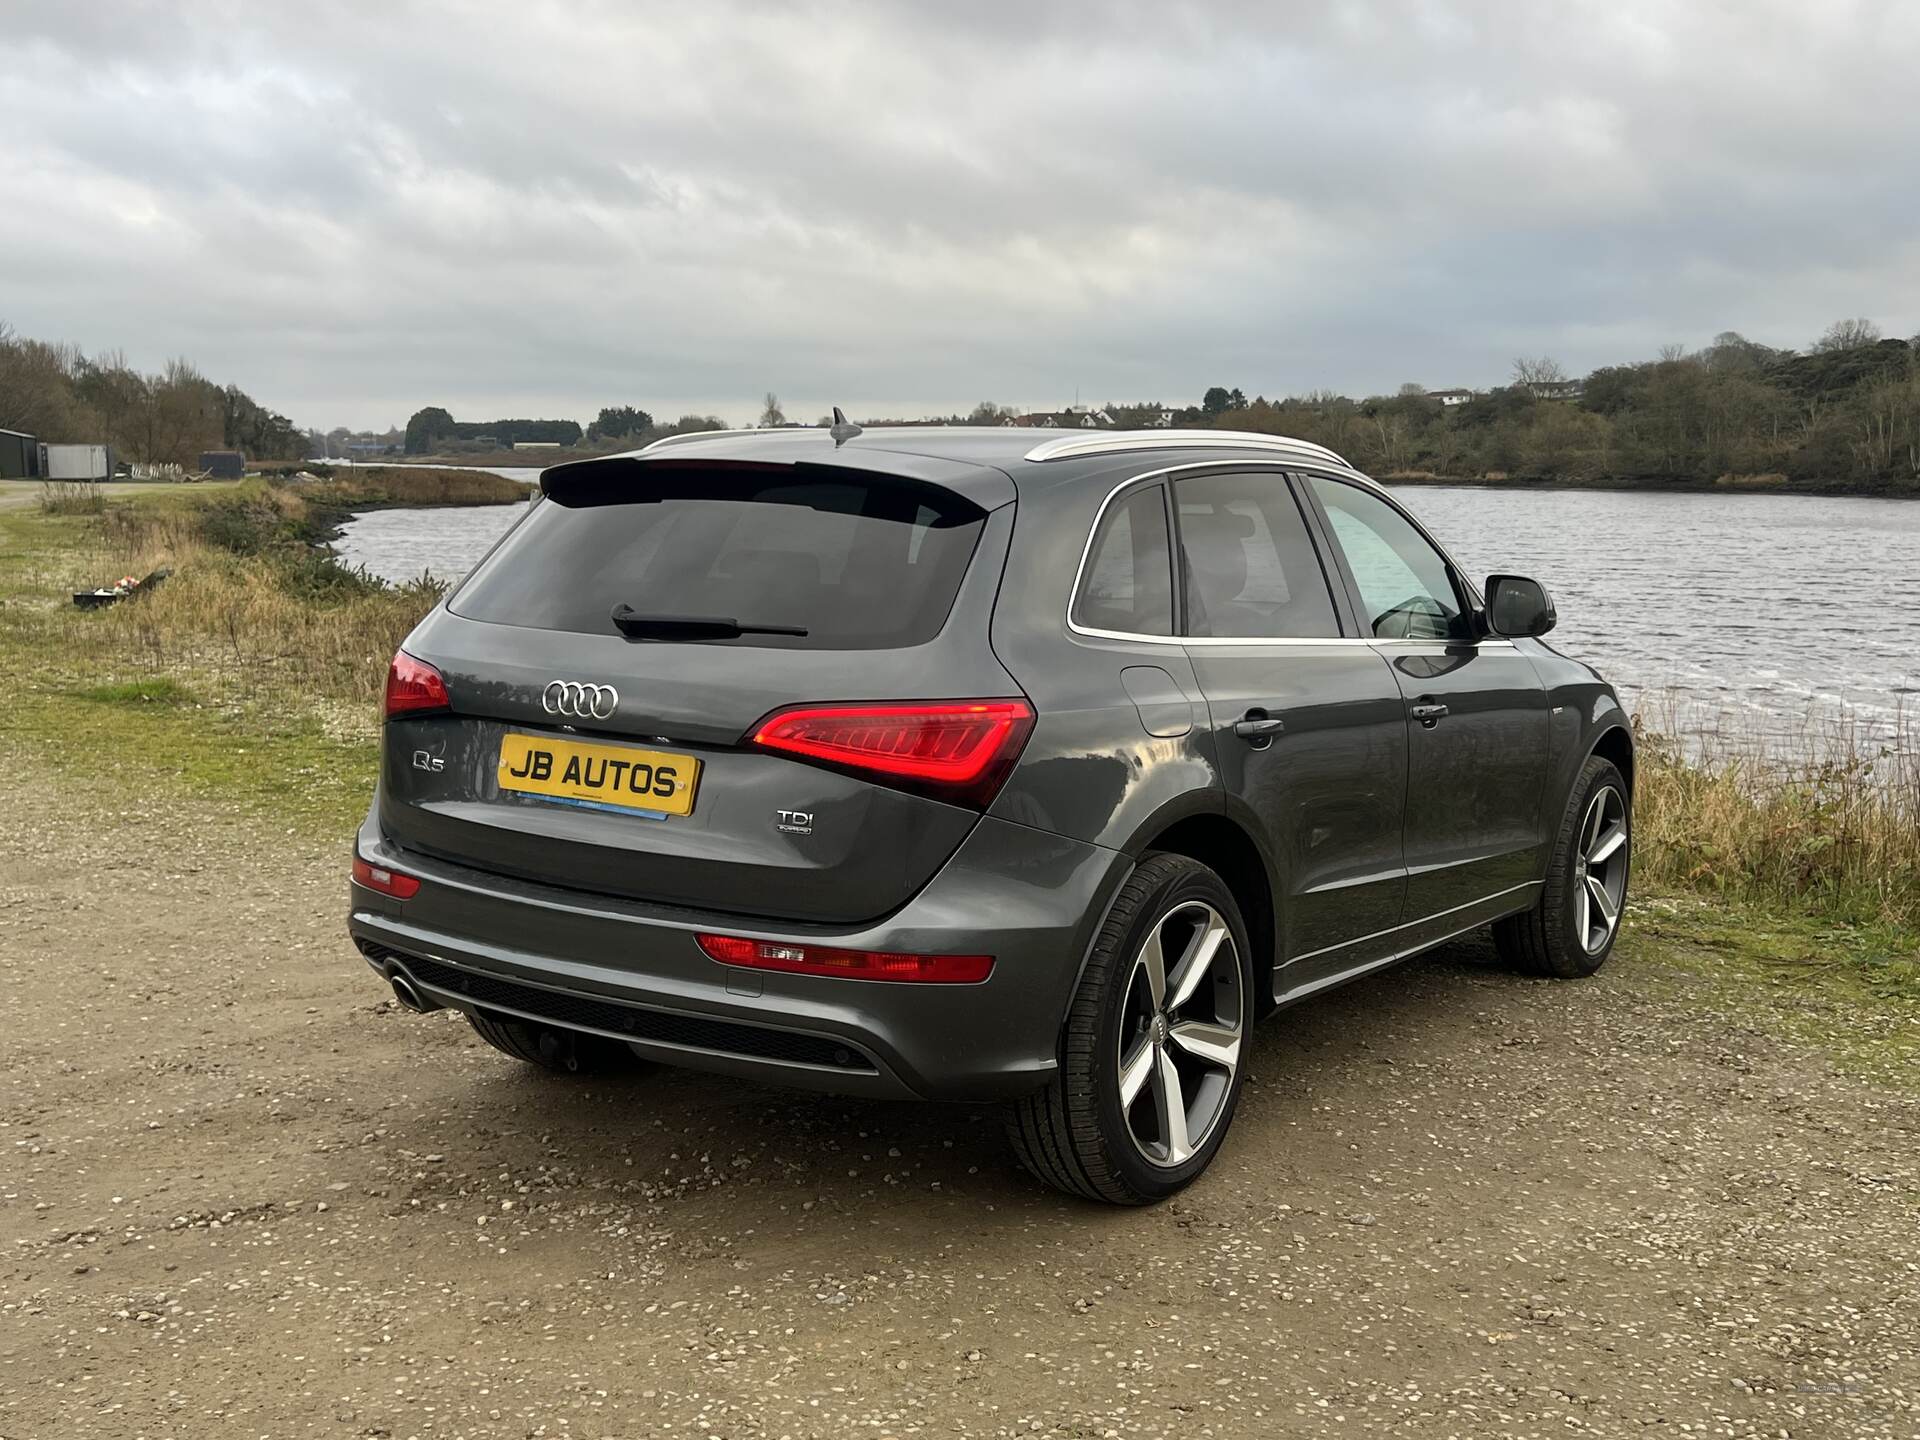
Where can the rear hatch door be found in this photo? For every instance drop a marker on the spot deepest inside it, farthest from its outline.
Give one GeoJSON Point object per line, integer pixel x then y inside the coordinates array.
{"type": "Point", "coordinates": [892, 578]}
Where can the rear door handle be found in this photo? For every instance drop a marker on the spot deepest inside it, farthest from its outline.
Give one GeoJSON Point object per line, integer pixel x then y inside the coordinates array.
{"type": "Point", "coordinates": [1429, 713]}
{"type": "Point", "coordinates": [1259, 728]}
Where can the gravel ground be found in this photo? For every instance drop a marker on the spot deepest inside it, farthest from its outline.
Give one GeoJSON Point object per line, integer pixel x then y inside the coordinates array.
{"type": "Point", "coordinates": [244, 1195]}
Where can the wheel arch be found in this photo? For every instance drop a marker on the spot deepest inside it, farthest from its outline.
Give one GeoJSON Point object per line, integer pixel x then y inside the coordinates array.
{"type": "Point", "coordinates": [1225, 847]}
{"type": "Point", "coordinates": [1615, 744]}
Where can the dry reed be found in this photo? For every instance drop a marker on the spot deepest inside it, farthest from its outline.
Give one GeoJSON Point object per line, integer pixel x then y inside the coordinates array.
{"type": "Point", "coordinates": [1828, 822]}
{"type": "Point", "coordinates": [72, 497]}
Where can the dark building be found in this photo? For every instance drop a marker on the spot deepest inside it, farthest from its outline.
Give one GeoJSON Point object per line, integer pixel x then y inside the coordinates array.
{"type": "Point", "coordinates": [223, 464]}
{"type": "Point", "coordinates": [19, 456]}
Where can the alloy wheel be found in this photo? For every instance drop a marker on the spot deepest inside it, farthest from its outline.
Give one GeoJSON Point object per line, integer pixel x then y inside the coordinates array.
{"type": "Point", "coordinates": [1600, 869]}
{"type": "Point", "coordinates": [1183, 1020]}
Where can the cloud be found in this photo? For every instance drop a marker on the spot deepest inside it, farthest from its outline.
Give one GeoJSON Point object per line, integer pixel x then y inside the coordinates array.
{"type": "Point", "coordinates": [356, 209]}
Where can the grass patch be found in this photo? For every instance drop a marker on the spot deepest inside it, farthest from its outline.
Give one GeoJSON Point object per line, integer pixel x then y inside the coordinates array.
{"type": "Point", "coordinates": [156, 690]}
{"type": "Point", "coordinates": [288, 766]}
{"type": "Point", "coordinates": [1790, 951]}
{"type": "Point", "coordinates": [1830, 829]}
{"type": "Point", "coordinates": [1852, 992]}
{"type": "Point", "coordinates": [72, 497]}
{"type": "Point", "coordinates": [259, 517]}
{"type": "Point", "coordinates": [256, 602]}
{"type": "Point", "coordinates": [252, 676]}
{"type": "Point", "coordinates": [372, 487]}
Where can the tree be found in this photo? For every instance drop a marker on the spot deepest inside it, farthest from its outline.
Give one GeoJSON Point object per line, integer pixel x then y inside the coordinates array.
{"type": "Point", "coordinates": [1388, 439]}
{"type": "Point", "coordinates": [1216, 402]}
{"type": "Point", "coordinates": [617, 422]}
{"type": "Point", "coordinates": [1563, 440]}
{"type": "Point", "coordinates": [509, 432]}
{"type": "Point", "coordinates": [988, 413]}
{"type": "Point", "coordinates": [1409, 388]}
{"type": "Point", "coordinates": [1847, 335]}
{"type": "Point", "coordinates": [1732, 353]}
{"type": "Point", "coordinates": [184, 413]}
{"type": "Point", "coordinates": [426, 427]}
{"type": "Point", "coordinates": [37, 393]}
{"type": "Point", "coordinates": [1611, 389]}
{"type": "Point", "coordinates": [260, 432]}
{"type": "Point", "coordinates": [114, 391]}
{"type": "Point", "coordinates": [1538, 375]}
{"type": "Point", "coordinates": [691, 424]}
{"type": "Point", "coordinates": [770, 412]}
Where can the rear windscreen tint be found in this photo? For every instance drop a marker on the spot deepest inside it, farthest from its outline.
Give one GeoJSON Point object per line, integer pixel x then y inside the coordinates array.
{"type": "Point", "coordinates": [860, 562]}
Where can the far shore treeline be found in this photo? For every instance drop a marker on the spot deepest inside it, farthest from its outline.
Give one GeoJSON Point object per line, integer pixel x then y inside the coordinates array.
{"type": "Point", "coordinates": [57, 394]}
{"type": "Point", "coordinates": [1842, 415]}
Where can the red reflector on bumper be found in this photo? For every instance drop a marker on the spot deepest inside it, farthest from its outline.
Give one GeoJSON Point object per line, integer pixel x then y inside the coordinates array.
{"type": "Point", "coordinates": [808, 959]}
{"type": "Point", "coordinates": [387, 882]}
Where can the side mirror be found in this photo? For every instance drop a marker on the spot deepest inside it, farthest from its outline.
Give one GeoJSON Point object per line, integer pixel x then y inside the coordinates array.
{"type": "Point", "coordinates": [1518, 606]}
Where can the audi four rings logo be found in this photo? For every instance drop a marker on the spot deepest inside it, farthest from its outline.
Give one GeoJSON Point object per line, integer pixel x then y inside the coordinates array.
{"type": "Point", "coordinates": [579, 700]}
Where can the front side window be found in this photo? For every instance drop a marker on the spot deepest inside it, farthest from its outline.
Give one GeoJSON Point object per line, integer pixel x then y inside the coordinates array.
{"type": "Point", "coordinates": [1128, 585]}
{"type": "Point", "coordinates": [1251, 567]}
{"type": "Point", "coordinates": [1406, 588]}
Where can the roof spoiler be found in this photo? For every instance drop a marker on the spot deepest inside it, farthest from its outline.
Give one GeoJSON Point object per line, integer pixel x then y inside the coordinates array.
{"type": "Point", "coordinates": [611, 479]}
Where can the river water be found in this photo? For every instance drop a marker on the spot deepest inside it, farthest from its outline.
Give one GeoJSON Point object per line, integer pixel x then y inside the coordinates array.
{"type": "Point", "coordinates": [1761, 615]}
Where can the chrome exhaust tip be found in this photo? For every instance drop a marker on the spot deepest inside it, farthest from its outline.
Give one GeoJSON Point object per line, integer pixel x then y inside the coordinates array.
{"type": "Point", "coordinates": [409, 998]}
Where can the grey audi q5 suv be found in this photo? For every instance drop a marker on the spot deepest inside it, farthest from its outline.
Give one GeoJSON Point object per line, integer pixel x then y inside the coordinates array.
{"type": "Point", "coordinates": [977, 764]}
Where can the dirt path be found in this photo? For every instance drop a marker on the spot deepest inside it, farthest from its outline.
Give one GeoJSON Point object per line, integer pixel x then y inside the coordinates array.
{"type": "Point", "coordinates": [243, 1195]}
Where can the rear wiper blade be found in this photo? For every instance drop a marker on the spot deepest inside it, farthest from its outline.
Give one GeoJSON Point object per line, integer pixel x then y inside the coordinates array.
{"type": "Point", "coordinates": [636, 626]}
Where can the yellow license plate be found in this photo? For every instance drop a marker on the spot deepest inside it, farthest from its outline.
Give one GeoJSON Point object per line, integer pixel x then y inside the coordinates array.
{"type": "Point", "coordinates": [599, 777]}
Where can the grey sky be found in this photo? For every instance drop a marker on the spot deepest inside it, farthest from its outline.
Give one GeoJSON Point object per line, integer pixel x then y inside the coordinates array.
{"type": "Point", "coordinates": [540, 208]}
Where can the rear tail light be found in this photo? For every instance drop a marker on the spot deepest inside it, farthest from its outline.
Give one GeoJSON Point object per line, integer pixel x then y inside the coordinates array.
{"type": "Point", "coordinates": [957, 750]}
{"type": "Point", "coordinates": [809, 959]}
{"type": "Point", "coordinates": [413, 687]}
{"type": "Point", "coordinates": [387, 882]}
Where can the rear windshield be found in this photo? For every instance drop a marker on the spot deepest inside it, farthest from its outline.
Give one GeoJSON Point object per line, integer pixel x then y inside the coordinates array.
{"type": "Point", "coordinates": [860, 563]}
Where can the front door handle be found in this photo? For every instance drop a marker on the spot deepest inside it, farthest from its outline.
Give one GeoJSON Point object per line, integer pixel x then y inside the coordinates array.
{"type": "Point", "coordinates": [1429, 713]}
{"type": "Point", "coordinates": [1259, 728]}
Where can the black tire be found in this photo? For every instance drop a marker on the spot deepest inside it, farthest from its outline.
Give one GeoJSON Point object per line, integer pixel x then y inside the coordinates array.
{"type": "Point", "coordinates": [1550, 939]}
{"type": "Point", "coordinates": [551, 1048]}
{"type": "Point", "coordinates": [1074, 1134]}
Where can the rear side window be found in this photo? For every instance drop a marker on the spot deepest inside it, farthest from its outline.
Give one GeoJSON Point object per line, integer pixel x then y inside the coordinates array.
{"type": "Point", "coordinates": [1251, 567]}
{"type": "Point", "coordinates": [1128, 585]}
{"type": "Point", "coordinates": [861, 563]}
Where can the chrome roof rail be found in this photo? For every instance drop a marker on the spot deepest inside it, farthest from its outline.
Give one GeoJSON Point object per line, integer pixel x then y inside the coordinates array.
{"type": "Point", "coordinates": [692, 435]}
{"type": "Point", "coordinates": [1113, 442]}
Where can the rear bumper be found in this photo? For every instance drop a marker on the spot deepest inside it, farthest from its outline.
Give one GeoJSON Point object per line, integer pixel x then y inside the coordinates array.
{"type": "Point", "coordinates": [474, 940]}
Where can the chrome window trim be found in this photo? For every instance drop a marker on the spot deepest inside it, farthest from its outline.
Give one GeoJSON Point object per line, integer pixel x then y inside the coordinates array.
{"type": "Point", "coordinates": [1352, 642]}
{"type": "Point", "coordinates": [1064, 447]}
{"type": "Point", "coordinates": [1282, 468]}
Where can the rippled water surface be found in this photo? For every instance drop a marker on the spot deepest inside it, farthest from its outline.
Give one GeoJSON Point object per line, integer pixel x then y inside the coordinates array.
{"type": "Point", "coordinates": [1775, 607]}
{"type": "Point", "coordinates": [1772, 609]}
{"type": "Point", "coordinates": [401, 544]}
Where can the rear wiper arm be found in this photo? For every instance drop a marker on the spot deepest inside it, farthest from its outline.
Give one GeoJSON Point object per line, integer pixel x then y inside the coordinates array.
{"type": "Point", "coordinates": [636, 626]}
